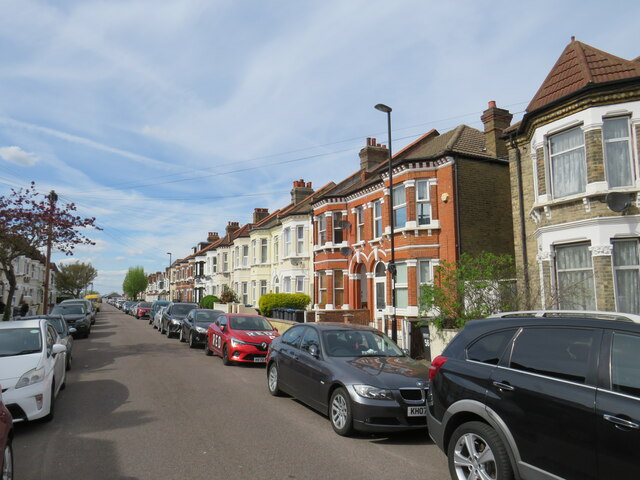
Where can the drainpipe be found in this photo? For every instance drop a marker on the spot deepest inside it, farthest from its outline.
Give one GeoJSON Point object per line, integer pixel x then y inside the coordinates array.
{"type": "Point", "coordinates": [456, 199]}
{"type": "Point", "coordinates": [525, 260]}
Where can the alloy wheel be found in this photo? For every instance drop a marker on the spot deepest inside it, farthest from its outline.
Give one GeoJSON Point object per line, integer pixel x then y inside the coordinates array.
{"type": "Point", "coordinates": [473, 458]}
{"type": "Point", "coordinates": [7, 467]}
{"type": "Point", "coordinates": [339, 412]}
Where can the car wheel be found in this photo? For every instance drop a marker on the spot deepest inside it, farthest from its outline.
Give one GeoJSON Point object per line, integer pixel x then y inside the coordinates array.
{"type": "Point", "coordinates": [68, 363]}
{"type": "Point", "coordinates": [7, 466]}
{"type": "Point", "coordinates": [161, 329]}
{"type": "Point", "coordinates": [476, 451]}
{"type": "Point", "coordinates": [182, 339]}
{"type": "Point", "coordinates": [272, 381]}
{"type": "Point", "coordinates": [168, 331]}
{"type": "Point", "coordinates": [137, 317]}
{"type": "Point", "coordinates": [225, 356]}
{"type": "Point", "coordinates": [49, 415]}
{"type": "Point", "coordinates": [207, 350]}
{"type": "Point", "coordinates": [340, 412]}
{"type": "Point", "coordinates": [192, 343]}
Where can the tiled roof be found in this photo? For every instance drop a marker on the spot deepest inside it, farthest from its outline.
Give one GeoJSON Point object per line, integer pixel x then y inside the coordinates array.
{"type": "Point", "coordinates": [579, 66]}
{"type": "Point", "coordinates": [462, 140]}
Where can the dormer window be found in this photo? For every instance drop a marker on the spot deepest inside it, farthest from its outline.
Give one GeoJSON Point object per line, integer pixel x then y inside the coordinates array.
{"type": "Point", "coordinates": [617, 151]}
{"type": "Point", "coordinates": [568, 166]}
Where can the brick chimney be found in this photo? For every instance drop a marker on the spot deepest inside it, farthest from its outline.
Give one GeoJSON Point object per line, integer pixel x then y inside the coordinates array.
{"type": "Point", "coordinates": [212, 237]}
{"type": "Point", "coordinates": [300, 191]}
{"type": "Point", "coordinates": [373, 155]}
{"type": "Point", "coordinates": [495, 121]}
{"type": "Point", "coordinates": [260, 214]}
{"type": "Point", "coordinates": [232, 227]}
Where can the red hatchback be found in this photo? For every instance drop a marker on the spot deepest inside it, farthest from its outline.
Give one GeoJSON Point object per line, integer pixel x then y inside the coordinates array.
{"type": "Point", "coordinates": [6, 436]}
{"type": "Point", "coordinates": [240, 338]}
{"type": "Point", "coordinates": [143, 309]}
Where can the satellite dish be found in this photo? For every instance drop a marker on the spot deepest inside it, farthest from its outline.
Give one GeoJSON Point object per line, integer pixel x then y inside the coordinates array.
{"type": "Point", "coordinates": [618, 201]}
{"type": "Point", "coordinates": [345, 251]}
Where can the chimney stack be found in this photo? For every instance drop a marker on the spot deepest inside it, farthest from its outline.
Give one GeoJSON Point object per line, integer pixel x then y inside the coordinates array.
{"type": "Point", "coordinates": [300, 191]}
{"type": "Point", "coordinates": [373, 155]}
{"type": "Point", "coordinates": [260, 214]}
{"type": "Point", "coordinates": [495, 120]}
{"type": "Point", "coordinates": [232, 227]}
{"type": "Point", "coordinates": [212, 237]}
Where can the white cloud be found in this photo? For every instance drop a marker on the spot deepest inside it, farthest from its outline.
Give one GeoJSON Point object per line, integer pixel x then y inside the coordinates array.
{"type": "Point", "coordinates": [19, 156]}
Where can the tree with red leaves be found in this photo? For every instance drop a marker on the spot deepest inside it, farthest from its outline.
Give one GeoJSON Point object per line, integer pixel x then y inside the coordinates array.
{"type": "Point", "coordinates": [28, 221]}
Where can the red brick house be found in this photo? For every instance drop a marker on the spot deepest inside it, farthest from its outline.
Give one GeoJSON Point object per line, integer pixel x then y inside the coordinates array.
{"type": "Point", "coordinates": [451, 195]}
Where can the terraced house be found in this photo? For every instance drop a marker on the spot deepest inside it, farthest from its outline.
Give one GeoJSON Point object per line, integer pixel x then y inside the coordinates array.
{"type": "Point", "coordinates": [576, 186]}
{"type": "Point", "coordinates": [450, 196]}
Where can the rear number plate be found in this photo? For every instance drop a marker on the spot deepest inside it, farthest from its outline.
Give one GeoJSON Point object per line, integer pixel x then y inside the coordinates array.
{"type": "Point", "coordinates": [259, 360]}
{"type": "Point", "coordinates": [416, 411]}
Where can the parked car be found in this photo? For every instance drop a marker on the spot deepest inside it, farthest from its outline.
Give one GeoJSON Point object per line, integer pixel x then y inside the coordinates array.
{"type": "Point", "coordinates": [64, 332]}
{"type": "Point", "coordinates": [32, 368]}
{"type": "Point", "coordinates": [155, 306]}
{"type": "Point", "coordinates": [195, 324]}
{"type": "Point", "coordinates": [6, 440]}
{"type": "Point", "coordinates": [240, 338]}
{"type": "Point", "coordinates": [173, 315]}
{"type": "Point", "coordinates": [127, 306]}
{"type": "Point", "coordinates": [83, 301]}
{"type": "Point", "coordinates": [539, 395]}
{"type": "Point", "coordinates": [354, 374]}
{"type": "Point", "coordinates": [157, 318]}
{"type": "Point", "coordinates": [143, 309]}
{"type": "Point", "coordinates": [76, 316]}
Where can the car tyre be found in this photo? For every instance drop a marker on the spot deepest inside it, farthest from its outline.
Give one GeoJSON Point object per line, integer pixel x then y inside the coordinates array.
{"type": "Point", "coordinates": [273, 381]}
{"type": "Point", "coordinates": [340, 412]}
{"type": "Point", "coordinates": [489, 458]}
{"type": "Point", "coordinates": [161, 329]}
{"type": "Point", "coordinates": [7, 466]}
{"type": "Point", "coordinates": [192, 343]}
{"type": "Point", "coordinates": [68, 363]}
{"type": "Point", "coordinates": [182, 339]}
{"type": "Point", "coordinates": [225, 356]}
{"type": "Point", "coordinates": [168, 331]}
{"type": "Point", "coordinates": [207, 350]}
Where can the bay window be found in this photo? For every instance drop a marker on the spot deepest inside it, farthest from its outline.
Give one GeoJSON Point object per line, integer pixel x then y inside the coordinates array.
{"type": "Point", "coordinates": [568, 165]}
{"type": "Point", "coordinates": [574, 269]}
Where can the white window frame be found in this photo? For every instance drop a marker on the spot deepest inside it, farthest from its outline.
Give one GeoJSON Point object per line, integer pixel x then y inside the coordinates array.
{"type": "Point", "coordinates": [245, 255]}
{"type": "Point", "coordinates": [360, 223]}
{"type": "Point", "coordinates": [263, 287]}
{"type": "Point", "coordinates": [336, 289]}
{"type": "Point", "coordinates": [552, 156]}
{"type": "Point", "coordinates": [559, 272]}
{"type": "Point", "coordinates": [628, 139]}
{"type": "Point", "coordinates": [322, 229]}
{"type": "Point", "coordinates": [300, 284]}
{"type": "Point", "coordinates": [286, 284]}
{"type": "Point", "coordinates": [264, 250]}
{"type": "Point", "coordinates": [286, 241]}
{"type": "Point", "coordinates": [336, 225]}
{"type": "Point", "coordinates": [399, 206]}
{"type": "Point", "coordinates": [377, 220]}
{"type": "Point", "coordinates": [300, 250]}
{"type": "Point", "coordinates": [426, 202]}
{"type": "Point", "coordinates": [620, 268]}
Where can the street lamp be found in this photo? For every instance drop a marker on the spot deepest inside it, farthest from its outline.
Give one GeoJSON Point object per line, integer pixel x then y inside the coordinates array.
{"type": "Point", "coordinates": [392, 264]}
{"type": "Point", "coordinates": [169, 279]}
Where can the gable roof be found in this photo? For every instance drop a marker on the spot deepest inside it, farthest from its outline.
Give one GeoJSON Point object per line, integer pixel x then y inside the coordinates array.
{"type": "Point", "coordinates": [581, 65]}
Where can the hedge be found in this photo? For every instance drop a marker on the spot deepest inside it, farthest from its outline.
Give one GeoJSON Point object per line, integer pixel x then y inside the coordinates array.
{"type": "Point", "coordinates": [208, 301]}
{"type": "Point", "coordinates": [268, 302]}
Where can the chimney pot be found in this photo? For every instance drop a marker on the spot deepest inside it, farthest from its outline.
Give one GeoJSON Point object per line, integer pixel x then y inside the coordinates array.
{"type": "Point", "coordinates": [492, 104]}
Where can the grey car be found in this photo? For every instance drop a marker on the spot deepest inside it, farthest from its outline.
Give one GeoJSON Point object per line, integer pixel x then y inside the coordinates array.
{"type": "Point", "coordinates": [172, 317]}
{"type": "Point", "coordinates": [354, 374]}
{"type": "Point", "coordinates": [76, 316]}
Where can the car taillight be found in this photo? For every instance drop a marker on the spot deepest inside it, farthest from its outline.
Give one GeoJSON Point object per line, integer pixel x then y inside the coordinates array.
{"type": "Point", "coordinates": [436, 364]}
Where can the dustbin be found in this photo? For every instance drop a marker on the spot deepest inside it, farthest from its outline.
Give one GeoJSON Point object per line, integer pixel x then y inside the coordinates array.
{"type": "Point", "coordinates": [298, 316]}
{"type": "Point", "coordinates": [276, 312]}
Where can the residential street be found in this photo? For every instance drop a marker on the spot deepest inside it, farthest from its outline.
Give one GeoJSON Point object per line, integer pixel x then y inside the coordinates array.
{"type": "Point", "coordinates": [140, 406]}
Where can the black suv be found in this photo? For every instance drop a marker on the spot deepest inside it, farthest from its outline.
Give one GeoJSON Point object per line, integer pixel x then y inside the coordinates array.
{"type": "Point", "coordinates": [539, 396]}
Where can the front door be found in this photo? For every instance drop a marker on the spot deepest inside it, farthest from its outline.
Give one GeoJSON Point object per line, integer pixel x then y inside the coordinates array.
{"type": "Point", "coordinates": [380, 290]}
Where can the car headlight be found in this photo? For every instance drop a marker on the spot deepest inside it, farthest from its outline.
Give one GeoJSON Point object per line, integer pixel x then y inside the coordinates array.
{"type": "Point", "coordinates": [236, 343]}
{"type": "Point", "coordinates": [175, 321]}
{"type": "Point", "coordinates": [34, 375]}
{"type": "Point", "coordinates": [367, 391]}
{"type": "Point", "coordinates": [200, 330]}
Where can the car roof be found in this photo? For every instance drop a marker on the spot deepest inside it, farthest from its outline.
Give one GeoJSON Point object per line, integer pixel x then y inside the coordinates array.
{"type": "Point", "coordinates": [75, 300]}
{"type": "Point", "coordinates": [581, 314]}
{"type": "Point", "coordinates": [340, 326]}
{"type": "Point", "coordinates": [36, 323]}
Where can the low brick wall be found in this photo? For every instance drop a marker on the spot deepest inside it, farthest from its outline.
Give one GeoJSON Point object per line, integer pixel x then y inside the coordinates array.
{"type": "Point", "coordinates": [360, 316]}
{"type": "Point", "coordinates": [281, 325]}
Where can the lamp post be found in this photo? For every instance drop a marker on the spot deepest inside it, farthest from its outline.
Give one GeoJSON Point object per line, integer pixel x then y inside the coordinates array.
{"type": "Point", "coordinates": [169, 279]}
{"type": "Point", "coordinates": [392, 263]}
{"type": "Point", "coordinates": [53, 198]}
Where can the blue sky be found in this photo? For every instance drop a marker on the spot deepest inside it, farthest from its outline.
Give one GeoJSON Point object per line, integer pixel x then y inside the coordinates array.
{"type": "Point", "coordinates": [166, 119]}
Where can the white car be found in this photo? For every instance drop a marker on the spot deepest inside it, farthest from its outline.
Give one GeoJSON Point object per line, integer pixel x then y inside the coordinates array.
{"type": "Point", "coordinates": [32, 368]}
{"type": "Point", "coordinates": [157, 318]}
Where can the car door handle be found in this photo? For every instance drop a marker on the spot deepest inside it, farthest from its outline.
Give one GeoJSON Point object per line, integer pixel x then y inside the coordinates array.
{"type": "Point", "coordinates": [621, 422]}
{"type": "Point", "coordinates": [503, 386]}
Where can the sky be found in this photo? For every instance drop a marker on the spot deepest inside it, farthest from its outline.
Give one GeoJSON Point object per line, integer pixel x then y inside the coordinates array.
{"type": "Point", "coordinates": [167, 119]}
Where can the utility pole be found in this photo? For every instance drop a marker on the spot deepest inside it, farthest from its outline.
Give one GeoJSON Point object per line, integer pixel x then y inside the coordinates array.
{"type": "Point", "coordinates": [53, 198]}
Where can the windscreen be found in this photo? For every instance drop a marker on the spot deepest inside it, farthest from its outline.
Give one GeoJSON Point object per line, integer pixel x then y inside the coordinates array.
{"type": "Point", "coordinates": [250, 323]}
{"type": "Point", "coordinates": [182, 308]}
{"type": "Point", "coordinates": [68, 310]}
{"type": "Point", "coordinates": [206, 316]}
{"type": "Point", "coordinates": [359, 343]}
{"type": "Point", "coordinates": [19, 341]}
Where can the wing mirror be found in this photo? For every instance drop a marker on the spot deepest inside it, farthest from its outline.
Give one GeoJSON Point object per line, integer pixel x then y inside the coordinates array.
{"type": "Point", "coordinates": [72, 330]}
{"type": "Point", "coordinates": [58, 348]}
{"type": "Point", "coordinates": [313, 351]}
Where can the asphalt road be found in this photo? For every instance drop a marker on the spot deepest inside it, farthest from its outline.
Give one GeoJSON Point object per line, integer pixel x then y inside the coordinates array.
{"type": "Point", "coordinates": [140, 406]}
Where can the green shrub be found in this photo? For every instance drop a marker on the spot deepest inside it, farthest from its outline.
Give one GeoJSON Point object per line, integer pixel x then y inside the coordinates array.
{"type": "Point", "coordinates": [268, 302]}
{"type": "Point", "coordinates": [208, 301]}
{"type": "Point", "coordinates": [228, 295]}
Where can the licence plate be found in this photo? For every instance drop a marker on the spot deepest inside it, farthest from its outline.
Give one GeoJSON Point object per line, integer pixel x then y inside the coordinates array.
{"type": "Point", "coordinates": [259, 360]}
{"type": "Point", "coordinates": [416, 411]}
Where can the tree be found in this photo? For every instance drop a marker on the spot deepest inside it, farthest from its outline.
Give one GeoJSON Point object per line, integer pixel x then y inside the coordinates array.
{"type": "Point", "coordinates": [73, 278]}
{"type": "Point", "coordinates": [473, 287]}
{"type": "Point", "coordinates": [135, 282]}
{"type": "Point", "coordinates": [29, 222]}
